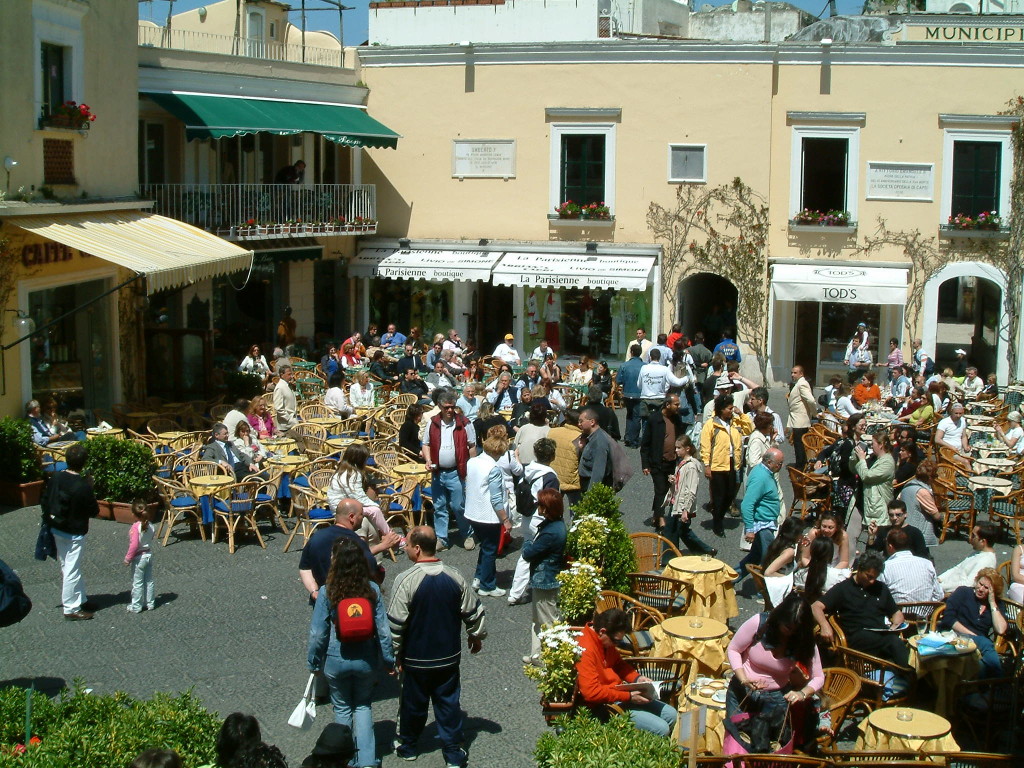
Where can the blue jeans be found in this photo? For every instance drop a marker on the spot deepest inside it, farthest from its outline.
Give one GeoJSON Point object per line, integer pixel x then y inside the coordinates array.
{"type": "Point", "coordinates": [991, 664]}
{"type": "Point", "coordinates": [632, 437]}
{"type": "Point", "coordinates": [449, 497]}
{"type": "Point", "coordinates": [656, 717]}
{"type": "Point", "coordinates": [762, 540]}
{"type": "Point", "coordinates": [351, 682]}
{"type": "Point", "coordinates": [487, 541]}
{"type": "Point", "coordinates": [420, 687]}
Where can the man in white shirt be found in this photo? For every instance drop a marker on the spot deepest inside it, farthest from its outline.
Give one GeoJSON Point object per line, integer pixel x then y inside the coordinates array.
{"type": "Point", "coordinates": [506, 351]}
{"type": "Point", "coordinates": [284, 400]}
{"type": "Point", "coordinates": [644, 342]}
{"type": "Point", "coordinates": [655, 379]}
{"type": "Point", "coordinates": [973, 384]}
{"type": "Point", "coordinates": [952, 431]}
{"type": "Point", "coordinates": [983, 537]}
{"type": "Point", "coordinates": [453, 342]}
{"type": "Point", "coordinates": [911, 579]}
{"type": "Point", "coordinates": [661, 346]}
{"type": "Point", "coordinates": [542, 351]}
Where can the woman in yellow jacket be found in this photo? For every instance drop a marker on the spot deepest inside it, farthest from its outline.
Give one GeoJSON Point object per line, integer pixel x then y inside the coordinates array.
{"type": "Point", "coordinates": [721, 451]}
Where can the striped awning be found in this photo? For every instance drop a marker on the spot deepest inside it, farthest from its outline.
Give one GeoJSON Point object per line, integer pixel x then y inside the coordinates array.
{"type": "Point", "coordinates": [168, 252]}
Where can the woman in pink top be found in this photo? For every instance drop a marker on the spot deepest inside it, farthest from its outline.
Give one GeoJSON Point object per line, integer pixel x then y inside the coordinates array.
{"type": "Point", "coordinates": [777, 666]}
{"type": "Point", "coordinates": [259, 418]}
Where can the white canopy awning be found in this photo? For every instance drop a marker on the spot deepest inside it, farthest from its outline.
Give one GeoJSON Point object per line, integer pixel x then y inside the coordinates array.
{"type": "Point", "coordinates": [841, 284]}
{"type": "Point", "coordinates": [168, 252]}
{"type": "Point", "coordinates": [439, 266]}
{"type": "Point", "coordinates": [575, 270]}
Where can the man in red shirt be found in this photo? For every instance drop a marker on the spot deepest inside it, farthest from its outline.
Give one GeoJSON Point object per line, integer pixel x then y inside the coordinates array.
{"type": "Point", "coordinates": [601, 673]}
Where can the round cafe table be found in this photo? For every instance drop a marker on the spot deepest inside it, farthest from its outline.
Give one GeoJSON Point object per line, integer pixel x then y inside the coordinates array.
{"type": "Point", "coordinates": [339, 444]}
{"type": "Point", "coordinates": [992, 464]}
{"type": "Point", "coordinates": [411, 469]}
{"type": "Point", "coordinates": [325, 421]}
{"type": "Point", "coordinates": [97, 432]}
{"type": "Point", "coordinates": [714, 731]}
{"type": "Point", "coordinates": [703, 639]}
{"type": "Point", "coordinates": [207, 486]}
{"type": "Point", "coordinates": [279, 444]}
{"type": "Point", "coordinates": [169, 437]}
{"type": "Point", "coordinates": [984, 488]}
{"type": "Point", "coordinates": [288, 464]}
{"type": "Point", "coordinates": [712, 583]}
{"type": "Point", "coordinates": [884, 731]}
{"type": "Point", "coordinates": [945, 671]}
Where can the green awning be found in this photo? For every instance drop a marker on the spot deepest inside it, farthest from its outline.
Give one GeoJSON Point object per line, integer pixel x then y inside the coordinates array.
{"type": "Point", "coordinates": [215, 117]}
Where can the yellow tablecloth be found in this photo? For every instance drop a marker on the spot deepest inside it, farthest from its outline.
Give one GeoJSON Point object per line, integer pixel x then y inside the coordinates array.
{"type": "Point", "coordinates": [881, 731]}
{"type": "Point", "coordinates": [706, 644]}
{"type": "Point", "coordinates": [712, 582]}
{"type": "Point", "coordinates": [714, 732]}
{"type": "Point", "coordinates": [945, 672]}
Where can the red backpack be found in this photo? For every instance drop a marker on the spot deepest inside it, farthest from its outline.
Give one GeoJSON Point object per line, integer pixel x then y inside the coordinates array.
{"type": "Point", "coordinates": [355, 620]}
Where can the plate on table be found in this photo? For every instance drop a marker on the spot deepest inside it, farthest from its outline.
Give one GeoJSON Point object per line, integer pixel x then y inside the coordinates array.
{"type": "Point", "coordinates": [707, 691]}
{"type": "Point", "coordinates": [719, 697]}
{"type": "Point", "coordinates": [703, 681]}
{"type": "Point", "coordinates": [718, 685]}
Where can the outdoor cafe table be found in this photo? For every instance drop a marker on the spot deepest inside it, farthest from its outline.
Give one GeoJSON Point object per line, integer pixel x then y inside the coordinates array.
{"type": "Point", "coordinates": [279, 444]}
{"type": "Point", "coordinates": [704, 640]}
{"type": "Point", "coordinates": [945, 670]}
{"type": "Point", "coordinates": [992, 464]}
{"type": "Point", "coordinates": [204, 487]}
{"type": "Point", "coordinates": [287, 464]}
{"type": "Point", "coordinates": [305, 366]}
{"type": "Point", "coordinates": [97, 432]}
{"type": "Point", "coordinates": [979, 419]}
{"type": "Point", "coordinates": [884, 731]}
{"type": "Point", "coordinates": [714, 733]}
{"type": "Point", "coordinates": [330, 422]}
{"type": "Point", "coordinates": [984, 488]}
{"type": "Point", "coordinates": [712, 585]}
{"type": "Point", "coordinates": [339, 444]}
{"type": "Point", "coordinates": [412, 469]}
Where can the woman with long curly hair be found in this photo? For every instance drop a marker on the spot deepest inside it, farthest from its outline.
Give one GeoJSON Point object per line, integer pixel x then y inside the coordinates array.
{"type": "Point", "coordinates": [350, 666]}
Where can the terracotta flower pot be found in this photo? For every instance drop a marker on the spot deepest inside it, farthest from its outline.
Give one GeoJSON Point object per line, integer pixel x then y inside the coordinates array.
{"type": "Point", "coordinates": [21, 494]}
{"type": "Point", "coordinates": [121, 511]}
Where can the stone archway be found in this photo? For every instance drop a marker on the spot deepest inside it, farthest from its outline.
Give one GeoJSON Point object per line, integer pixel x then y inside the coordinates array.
{"type": "Point", "coordinates": [706, 302]}
{"type": "Point", "coordinates": [965, 306]}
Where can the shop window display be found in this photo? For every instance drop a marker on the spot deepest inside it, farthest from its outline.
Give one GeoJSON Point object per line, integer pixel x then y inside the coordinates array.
{"type": "Point", "coordinates": [584, 321]}
{"type": "Point", "coordinates": [838, 326]}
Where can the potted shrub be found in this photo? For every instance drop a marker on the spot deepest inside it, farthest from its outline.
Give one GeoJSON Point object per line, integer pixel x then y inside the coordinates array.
{"type": "Point", "coordinates": [122, 471]}
{"type": "Point", "coordinates": [21, 483]}
{"type": "Point", "coordinates": [577, 596]}
{"type": "Point", "coordinates": [583, 741]}
{"type": "Point", "coordinates": [618, 557]}
{"type": "Point", "coordinates": [556, 674]}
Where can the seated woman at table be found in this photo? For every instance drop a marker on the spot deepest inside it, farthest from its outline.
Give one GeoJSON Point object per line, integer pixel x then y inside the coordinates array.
{"type": "Point", "coordinates": [828, 526]}
{"type": "Point", "coordinates": [818, 576]}
{"type": "Point", "coordinates": [583, 373]}
{"type": "Point", "coordinates": [952, 385]}
{"type": "Point", "coordinates": [866, 390]}
{"type": "Point", "coordinates": [486, 418]}
{"type": "Point", "coordinates": [600, 671]}
{"type": "Point", "coordinates": [922, 510]}
{"type": "Point", "coordinates": [260, 419]}
{"type": "Point", "coordinates": [351, 481]}
{"type": "Point", "coordinates": [473, 372]}
{"type": "Point", "coordinates": [360, 394]}
{"type": "Point", "coordinates": [765, 654]}
{"type": "Point", "coordinates": [1015, 589]}
{"type": "Point", "coordinates": [247, 445]}
{"type": "Point", "coordinates": [335, 398]}
{"type": "Point", "coordinates": [350, 356]}
{"type": "Point", "coordinates": [603, 378]}
{"type": "Point", "coordinates": [906, 466]}
{"type": "Point", "coordinates": [254, 362]}
{"type": "Point", "coordinates": [1011, 437]}
{"type": "Point", "coordinates": [540, 395]}
{"type": "Point", "coordinates": [780, 559]}
{"type": "Point", "coordinates": [409, 433]}
{"type": "Point", "coordinates": [845, 405]}
{"type": "Point", "coordinates": [376, 367]}
{"type": "Point", "coordinates": [938, 395]}
{"type": "Point", "coordinates": [974, 612]}
{"type": "Point", "coordinates": [521, 410]}
{"type": "Point", "coordinates": [991, 388]}
{"type": "Point", "coordinates": [917, 410]}
{"type": "Point", "coordinates": [550, 371]}
{"type": "Point", "coordinates": [469, 401]}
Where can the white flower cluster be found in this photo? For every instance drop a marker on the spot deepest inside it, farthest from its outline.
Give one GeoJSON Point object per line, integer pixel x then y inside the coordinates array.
{"type": "Point", "coordinates": [590, 521]}
{"type": "Point", "coordinates": [561, 636]}
{"type": "Point", "coordinates": [585, 570]}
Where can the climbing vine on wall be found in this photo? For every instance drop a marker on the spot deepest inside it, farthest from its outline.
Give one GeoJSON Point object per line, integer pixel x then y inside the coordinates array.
{"type": "Point", "coordinates": [722, 230]}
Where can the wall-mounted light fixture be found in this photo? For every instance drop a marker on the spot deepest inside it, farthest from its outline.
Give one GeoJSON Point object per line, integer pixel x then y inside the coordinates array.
{"type": "Point", "coordinates": [591, 247]}
{"type": "Point", "coordinates": [404, 243]}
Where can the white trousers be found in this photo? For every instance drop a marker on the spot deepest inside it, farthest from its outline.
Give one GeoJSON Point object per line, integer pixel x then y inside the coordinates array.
{"type": "Point", "coordinates": [69, 555]}
{"type": "Point", "coordinates": [521, 578]}
{"type": "Point", "coordinates": [143, 591]}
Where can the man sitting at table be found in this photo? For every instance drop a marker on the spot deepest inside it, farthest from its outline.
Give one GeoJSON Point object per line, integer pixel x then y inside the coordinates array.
{"type": "Point", "coordinates": [411, 360]}
{"type": "Point", "coordinates": [392, 339]}
{"type": "Point", "coordinates": [440, 377]}
{"type": "Point", "coordinates": [42, 433]}
{"type": "Point", "coordinates": [983, 539]}
{"type": "Point", "coordinates": [412, 384]}
{"type": "Point", "coordinates": [951, 432]}
{"type": "Point", "coordinates": [601, 670]}
{"type": "Point", "coordinates": [221, 450]}
{"type": "Point", "coordinates": [897, 519]}
{"type": "Point", "coordinates": [973, 384]}
{"type": "Point", "coordinates": [504, 396]}
{"type": "Point", "coordinates": [910, 579]}
{"type": "Point", "coordinates": [236, 414]}
{"type": "Point", "coordinates": [862, 604]}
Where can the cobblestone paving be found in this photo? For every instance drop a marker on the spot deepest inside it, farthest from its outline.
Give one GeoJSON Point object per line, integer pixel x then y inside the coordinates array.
{"type": "Point", "coordinates": [233, 628]}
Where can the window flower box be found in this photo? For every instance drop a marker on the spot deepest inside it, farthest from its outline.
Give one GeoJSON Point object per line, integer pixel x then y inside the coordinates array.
{"type": "Point", "coordinates": [948, 232]}
{"type": "Point", "coordinates": [824, 229]}
{"type": "Point", "coordinates": [580, 221]}
{"type": "Point", "coordinates": [71, 116]}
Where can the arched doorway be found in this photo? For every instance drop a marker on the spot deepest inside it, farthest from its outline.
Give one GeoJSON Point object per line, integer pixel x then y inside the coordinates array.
{"type": "Point", "coordinates": [965, 308]}
{"type": "Point", "coordinates": [706, 303]}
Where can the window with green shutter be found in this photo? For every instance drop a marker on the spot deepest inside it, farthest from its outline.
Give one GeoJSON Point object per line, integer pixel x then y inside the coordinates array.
{"type": "Point", "coordinates": [976, 179]}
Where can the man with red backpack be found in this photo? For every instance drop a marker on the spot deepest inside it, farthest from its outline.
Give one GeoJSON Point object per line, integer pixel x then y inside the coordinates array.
{"type": "Point", "coordinates": [449, 444]}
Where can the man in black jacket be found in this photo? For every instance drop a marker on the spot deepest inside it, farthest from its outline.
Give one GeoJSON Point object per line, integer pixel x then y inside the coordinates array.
{"type": "Point", "coordinates": [411, 360]}
{"type": "Point", "coordinates": [70, 502]}
{"type": "Point", "coordinates": [606, 416]}
{"type": "Point", "coordinates": [658, 452]}
{"type": "Point", "coordinates": [412, 384]}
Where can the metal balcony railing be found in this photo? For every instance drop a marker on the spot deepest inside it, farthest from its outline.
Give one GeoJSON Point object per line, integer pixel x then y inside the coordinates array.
{"type": "Point", "coordinates": [243, 211]}
{"type": "Point", "coordinates": [229, 45]}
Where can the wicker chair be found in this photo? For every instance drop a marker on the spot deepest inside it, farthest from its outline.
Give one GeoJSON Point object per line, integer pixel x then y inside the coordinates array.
{"type": "Point", "coordinates": [871, 670]}
{"type": "Point", "coordinates": [783, 761]}
{"type": "Point", "coordinates": [757, 574]}
{"type": "Point", "coordinates": [673, 674]}
{"type": "Point", "coordinates": [667, 595]}
{"type": "Point", "coordinates": [310, 510]}
{"type": "Point", "coordinates": [650, 551]}
{"type": "Point", "coordinates": [638, 641]}
{"type": "Point", "coordinates": [971, 759]}
{"type": "Point", "coordinates": [238, 506]}
{"type": "Point", "coordinates": [982, 711]}
{"type": "Point", "coordinates": [162, 424]}
{"type": "Point", "coordinates": [840, 690]}
{"type": "Point", "coordinates": [920, 612]}
{"type": "Point", "coordinates": [811, 493]}
{"type": "Point", "coordinates": [180, 505]}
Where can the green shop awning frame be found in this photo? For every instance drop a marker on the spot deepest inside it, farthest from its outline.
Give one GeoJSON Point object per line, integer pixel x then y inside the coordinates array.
{"type": "Point", "coordinates": [216, 117]}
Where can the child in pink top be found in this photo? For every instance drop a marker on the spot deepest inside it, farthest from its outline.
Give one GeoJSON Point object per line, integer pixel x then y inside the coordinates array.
{"type": "Point", "coordinates": [138, 558]}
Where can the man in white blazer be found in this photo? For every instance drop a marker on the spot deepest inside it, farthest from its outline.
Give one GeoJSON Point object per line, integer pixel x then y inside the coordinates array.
{"type": "Point", "coordinates": [802, 408]}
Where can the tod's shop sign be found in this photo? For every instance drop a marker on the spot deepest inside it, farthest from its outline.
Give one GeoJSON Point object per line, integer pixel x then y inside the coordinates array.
{"type": "Point", "coordinates": [47, 252]}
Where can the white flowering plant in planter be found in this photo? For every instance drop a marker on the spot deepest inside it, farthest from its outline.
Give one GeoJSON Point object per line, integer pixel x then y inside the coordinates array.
{"type": "Point", "coordinates": [589, 535]}
{"type": "Point", "coordinates": [577, 594]}
{"type": "Point", "coordinates": [559, 652]}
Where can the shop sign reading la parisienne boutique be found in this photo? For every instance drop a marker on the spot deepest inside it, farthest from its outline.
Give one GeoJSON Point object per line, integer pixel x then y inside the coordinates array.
{"type": "Point", "coordinates": [47, 252]}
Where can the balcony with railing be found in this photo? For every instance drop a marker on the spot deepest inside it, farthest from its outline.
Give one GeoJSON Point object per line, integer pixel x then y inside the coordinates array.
{"type": "Point", "coordinates": [229, 45]}
{"type": "Point", "coordinates": [258, 211]}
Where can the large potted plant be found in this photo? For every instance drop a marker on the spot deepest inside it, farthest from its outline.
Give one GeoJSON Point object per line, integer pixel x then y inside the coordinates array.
{"type": "Point", "coordinates": [122, 471]}
{"type": "Point", "coordinates": [21, 483]}
{"type": "Point", "coordinates": [613, 551]}
{"type": "Point", "coordinates": [556, 674]}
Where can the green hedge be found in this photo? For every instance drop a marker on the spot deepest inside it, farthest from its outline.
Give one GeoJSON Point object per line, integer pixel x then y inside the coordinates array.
{"type": "Point", "coordinates": [618, 559]}
{"type": "Point", "coordinates": [585, 742]}
{"type": "Point", "coordinates": [81, 730]}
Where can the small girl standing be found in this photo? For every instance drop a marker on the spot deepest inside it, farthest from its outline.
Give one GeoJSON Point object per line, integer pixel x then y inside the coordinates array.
{"type": "Point", "coordinates": [140, 546]}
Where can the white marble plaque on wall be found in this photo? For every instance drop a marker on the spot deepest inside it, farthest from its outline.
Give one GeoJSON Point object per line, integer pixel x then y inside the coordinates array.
{"type": "Point", "coordinates": [483, 158]}
{"type": "Point", "coordinates": [900, 181]}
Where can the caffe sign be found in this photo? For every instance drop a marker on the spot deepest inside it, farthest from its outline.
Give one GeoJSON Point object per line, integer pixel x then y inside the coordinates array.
{"type": "Point", "coordinates": [46, 252]}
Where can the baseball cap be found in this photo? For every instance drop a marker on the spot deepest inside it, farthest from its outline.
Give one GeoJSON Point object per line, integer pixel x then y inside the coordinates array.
{"type": "Point", "coordinates": [960, 352]}
{"type": "Point", "coordinates": [862, 325]}
{"type": "Point", "coordinates": [509, 337]}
